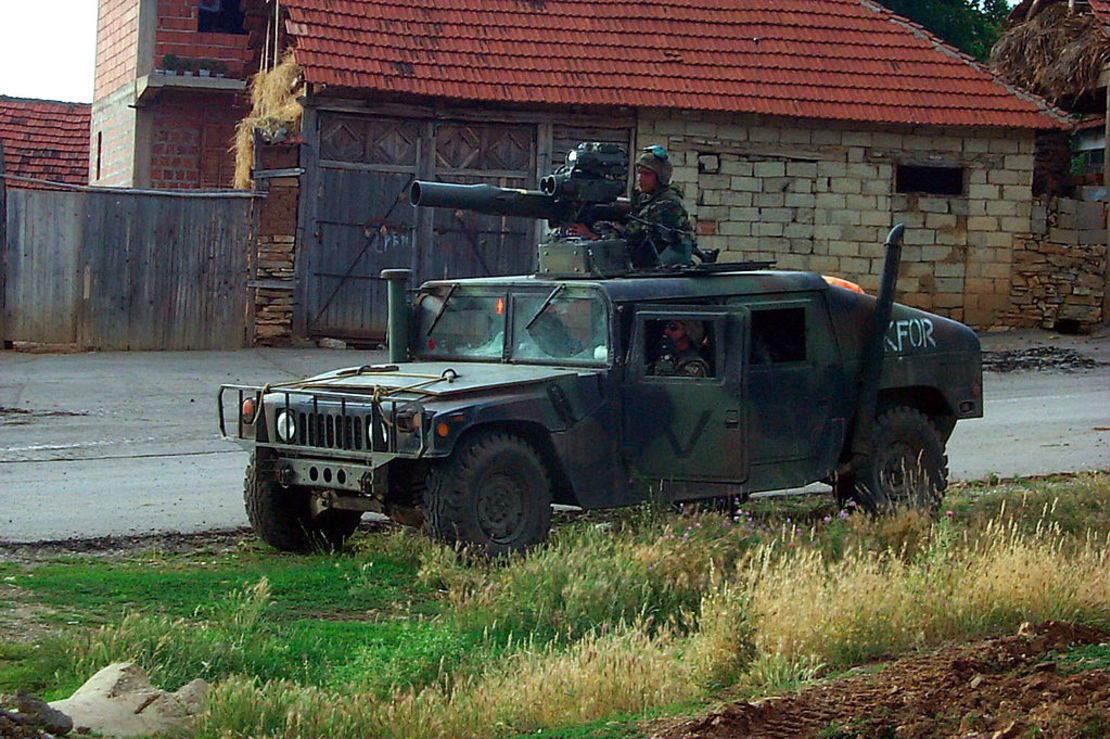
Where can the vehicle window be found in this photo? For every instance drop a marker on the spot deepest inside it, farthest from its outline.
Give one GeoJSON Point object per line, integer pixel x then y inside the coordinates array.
{"type": "Point", "coordinates": [457, 324]}
{"type": "Point", "coordinates": [557, 326]}
{"type": "Point", "coordinates": [681, 347]}
{"type": "Point", "coordinates": [778, 335]}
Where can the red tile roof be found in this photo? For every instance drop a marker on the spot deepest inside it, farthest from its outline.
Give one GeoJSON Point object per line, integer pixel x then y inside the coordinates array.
{"type": "Point", "coordinates": [1101, 9]}
{"type": "Point", "coordinates": [46, 140]}
{"type": "Point", "coordinates": [830, 59]}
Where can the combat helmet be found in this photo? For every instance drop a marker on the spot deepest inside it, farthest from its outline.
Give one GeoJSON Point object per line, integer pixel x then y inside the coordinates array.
{"type": "Point", "coordinates": [656, 159]}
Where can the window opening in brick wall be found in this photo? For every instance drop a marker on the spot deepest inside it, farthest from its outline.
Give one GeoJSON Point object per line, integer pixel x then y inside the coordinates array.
{"type": "Point", "coordinates": [916, 178]}
{"type": "Point", "coordinates": [778, 335]}
{"type": "Point", "coordinates": [219, 16]}
{"type": "Point", "coordinates": [99, 150]}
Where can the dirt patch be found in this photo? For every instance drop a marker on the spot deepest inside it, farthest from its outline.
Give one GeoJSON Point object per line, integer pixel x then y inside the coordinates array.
{"type": "Point", "coordinates": [996, 689]}
{"type": "Point", "coordinates": [21, 620]}
{"type": "Point", "coordinates": [1038, 358]}
{"type": "Point", "coordinates": [110, 546]}
{"type": "Point", "coordinates": [23, 416]}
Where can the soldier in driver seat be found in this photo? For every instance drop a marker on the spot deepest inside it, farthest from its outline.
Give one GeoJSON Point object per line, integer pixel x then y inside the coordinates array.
{"type": "Point", "coordinates": [680, 357]}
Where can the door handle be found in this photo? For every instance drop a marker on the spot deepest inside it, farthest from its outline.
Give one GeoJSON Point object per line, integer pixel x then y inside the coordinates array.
{"type": "Point", "coordinates": [732, 419]}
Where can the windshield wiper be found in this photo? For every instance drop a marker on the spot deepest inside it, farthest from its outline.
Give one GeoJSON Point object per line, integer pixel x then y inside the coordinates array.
{"type": "Point", "coordinates": [558, 289]}
{"type": "Point", "coordinates": [442, 308]}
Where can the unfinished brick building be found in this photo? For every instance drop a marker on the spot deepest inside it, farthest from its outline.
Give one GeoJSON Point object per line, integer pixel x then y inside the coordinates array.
{"type": "Point", "coordinates": [169, 91]}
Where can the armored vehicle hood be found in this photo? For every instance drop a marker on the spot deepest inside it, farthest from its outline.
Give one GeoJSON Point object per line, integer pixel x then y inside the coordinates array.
{"type": "Point", "coordinates": [438, 379]}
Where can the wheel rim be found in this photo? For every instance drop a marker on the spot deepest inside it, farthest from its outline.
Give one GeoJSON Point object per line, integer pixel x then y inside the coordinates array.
{"type": "Point", "coordinates": [502, 506]}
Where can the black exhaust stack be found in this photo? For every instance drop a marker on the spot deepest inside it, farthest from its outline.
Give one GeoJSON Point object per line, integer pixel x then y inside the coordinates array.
{"type": "Point", "coordinates": [872, 367]}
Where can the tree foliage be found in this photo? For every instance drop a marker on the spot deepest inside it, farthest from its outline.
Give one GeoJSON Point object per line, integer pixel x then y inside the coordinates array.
{"type": "Point", "coordinates": [970, 25]}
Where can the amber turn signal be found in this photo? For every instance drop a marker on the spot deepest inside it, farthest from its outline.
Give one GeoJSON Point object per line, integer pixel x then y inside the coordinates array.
{"type": "Point", "coordinates": [442, 429]}
{"type": "Point", "coordinates": [247, 411]}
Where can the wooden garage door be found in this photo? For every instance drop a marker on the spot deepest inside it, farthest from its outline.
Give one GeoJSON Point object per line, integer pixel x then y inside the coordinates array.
{"type": "Point", "coordinates": [467, 244]}
{"type": "Point", "coordinates": [364, 223]}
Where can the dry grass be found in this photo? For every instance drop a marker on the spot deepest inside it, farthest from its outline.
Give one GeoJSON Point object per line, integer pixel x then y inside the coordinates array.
{"type": "Point", "coordinates": [623, 671]}
{"type": "Point", "coordinates": [274, 106]}
{"type": "Point", "coordinates": [873, 604]}
{"type": "Point", "coordinates": [644, 611]}
{"type": "Point", "coordinates": [783, 612]}
{"type": "Point", "coordinates": [1057, 55]}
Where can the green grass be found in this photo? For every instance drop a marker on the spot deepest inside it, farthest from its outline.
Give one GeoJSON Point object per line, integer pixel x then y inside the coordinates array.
{"type": "Point", "coordinates": [1084, 658]}
{"type": "Point", "coordinates": [401, 631]}
{"type": "Point", "coordinates": [97, 591]}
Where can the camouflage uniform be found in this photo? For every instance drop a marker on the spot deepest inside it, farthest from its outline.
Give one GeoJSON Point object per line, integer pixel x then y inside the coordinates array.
{"type": "Point", "coordinates": [673, 243]}
{"type": "Point", "coordinates": [687, 363]}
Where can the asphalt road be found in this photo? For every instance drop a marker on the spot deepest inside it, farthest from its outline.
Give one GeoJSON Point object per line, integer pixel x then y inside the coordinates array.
{"type": "Point", "coordinates": [125, 443]}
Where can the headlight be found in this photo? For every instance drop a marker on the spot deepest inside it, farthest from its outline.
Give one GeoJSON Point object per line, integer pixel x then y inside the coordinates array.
{"type": "Point", "coordinates": [286, 427]}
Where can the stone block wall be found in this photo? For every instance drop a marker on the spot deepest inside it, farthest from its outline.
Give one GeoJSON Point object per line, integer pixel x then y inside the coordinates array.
{"type": "Point", "coordinates": [1059, 269]}
{"type": "Point", "coordinates": [274, 263]}
{"type": "Point", "coordinates": [820, 196]}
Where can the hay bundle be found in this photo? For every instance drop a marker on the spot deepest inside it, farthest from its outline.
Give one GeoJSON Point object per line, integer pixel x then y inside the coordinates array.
{"type": "Point", "coordinates": [274, 107]}
{"type": "Point", "coordinates": [1057, 54]}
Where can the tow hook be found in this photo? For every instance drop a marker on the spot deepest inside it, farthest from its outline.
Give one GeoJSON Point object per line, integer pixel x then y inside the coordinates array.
{"type": "Point", "coordinates": [285, 476]}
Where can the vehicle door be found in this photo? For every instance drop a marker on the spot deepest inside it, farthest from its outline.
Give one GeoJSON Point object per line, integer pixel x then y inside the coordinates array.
{"type": "Point", "coordinates": [791, 383]}
{"type": "Point", "coordinates": [678, 426]}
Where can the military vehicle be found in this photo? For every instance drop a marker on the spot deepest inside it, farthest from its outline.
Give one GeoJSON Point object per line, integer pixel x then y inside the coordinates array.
{"type": "Point", "coordinates": [505, 395]}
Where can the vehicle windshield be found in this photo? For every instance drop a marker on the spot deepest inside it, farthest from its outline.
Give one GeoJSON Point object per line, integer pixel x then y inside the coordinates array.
{"type": "Point", "coordinates": [461, 324]}
{"type": "Point", "coordinates": [562, 326]}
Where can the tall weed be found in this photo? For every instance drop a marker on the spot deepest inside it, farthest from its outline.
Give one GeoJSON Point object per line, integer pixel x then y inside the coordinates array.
{"type": "Point", "coordinates": [591, 575]}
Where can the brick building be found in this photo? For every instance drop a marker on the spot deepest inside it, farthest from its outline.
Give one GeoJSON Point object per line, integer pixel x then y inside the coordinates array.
{"type": "Point", "coordinates": [169, 91]}
{"type": "Point", "coordinates": [800, 132]}
{"type": "Point", "coordinates": [44, 140]}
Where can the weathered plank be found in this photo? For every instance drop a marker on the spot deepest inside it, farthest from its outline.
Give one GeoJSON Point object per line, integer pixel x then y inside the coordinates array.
{"type": "Point", "coordinates": [123, 269]}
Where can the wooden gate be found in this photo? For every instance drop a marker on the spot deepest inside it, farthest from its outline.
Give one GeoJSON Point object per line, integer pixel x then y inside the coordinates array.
{"type": "Point", "coordinates": [468, 244]}
{"type": "Point", "coordinates": [361, 222]}
{"type": "Point", "coordinates": [121, 269]}
{"type": "Point", "coordinates": [364, 222]}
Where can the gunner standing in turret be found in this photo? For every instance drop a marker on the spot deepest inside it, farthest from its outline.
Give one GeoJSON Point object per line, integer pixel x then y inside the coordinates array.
{"type": "Point", "coordinates": [656, 227]}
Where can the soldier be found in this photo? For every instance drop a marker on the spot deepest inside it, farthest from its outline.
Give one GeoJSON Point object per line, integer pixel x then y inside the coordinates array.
{"type": "Point", "coordinates": [681, 357]}
{"type": "Point", "coordinates": [657, 227]}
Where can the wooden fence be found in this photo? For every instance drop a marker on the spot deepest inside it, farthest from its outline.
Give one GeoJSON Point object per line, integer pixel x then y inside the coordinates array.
{"type": "Point", "coordinates": [110, 269]}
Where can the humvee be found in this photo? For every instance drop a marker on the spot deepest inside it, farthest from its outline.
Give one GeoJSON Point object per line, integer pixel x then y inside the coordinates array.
{"type": "Point", "coordinates": [505, 395]}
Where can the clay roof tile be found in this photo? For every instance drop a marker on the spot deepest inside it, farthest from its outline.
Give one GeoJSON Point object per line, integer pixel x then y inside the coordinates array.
{"type": "Point", "coordinates": [847, 60]}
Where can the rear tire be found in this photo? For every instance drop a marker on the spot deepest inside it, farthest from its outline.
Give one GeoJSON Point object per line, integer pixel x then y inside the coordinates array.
{"type": "Point", "coordinates": [907, 467]}
{"type": "Point", "coordinates": [282, 516]}
{"type": "Point", "coordinates": [494, 492]}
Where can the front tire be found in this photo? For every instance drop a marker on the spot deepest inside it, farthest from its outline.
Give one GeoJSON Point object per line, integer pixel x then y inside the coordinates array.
{"type": "Point", "coordinates": [494, 492]}
{"type": "Point", "coordinates": [907, 467]}
{"type": "Point", "coordinates": [282, 516]}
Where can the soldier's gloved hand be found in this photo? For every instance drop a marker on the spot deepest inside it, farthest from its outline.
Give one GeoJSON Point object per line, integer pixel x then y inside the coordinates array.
{"type": "Point", "coordinates": [607, 230]}
{"type": "Point", "coordinates": [582, 230]}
